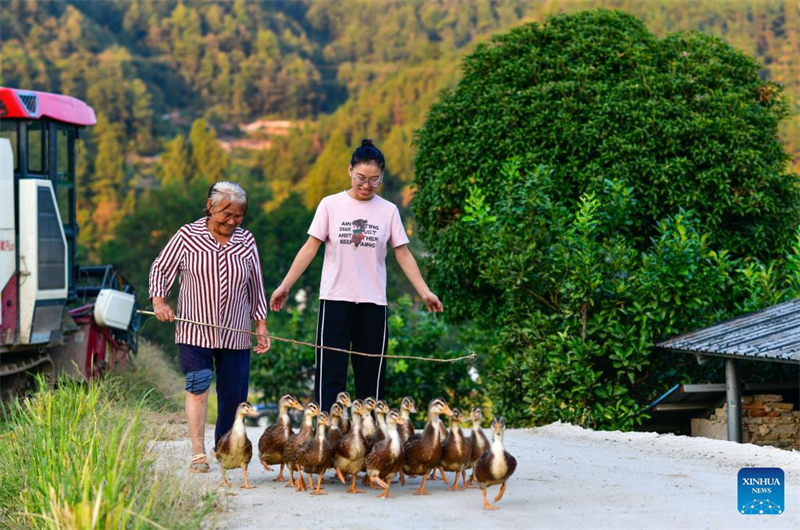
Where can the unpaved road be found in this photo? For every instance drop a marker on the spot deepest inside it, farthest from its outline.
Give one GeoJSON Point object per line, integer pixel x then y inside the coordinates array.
{"type": "Point", "coordinates": [567, 477]}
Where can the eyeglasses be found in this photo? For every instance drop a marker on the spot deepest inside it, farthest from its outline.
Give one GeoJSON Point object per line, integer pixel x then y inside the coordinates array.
{"type": "Point", "coordinates": [374, 181]}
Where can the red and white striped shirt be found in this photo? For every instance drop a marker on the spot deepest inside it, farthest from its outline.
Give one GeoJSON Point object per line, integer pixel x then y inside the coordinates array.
{"type": "Point", "coordinates": [220, 285]}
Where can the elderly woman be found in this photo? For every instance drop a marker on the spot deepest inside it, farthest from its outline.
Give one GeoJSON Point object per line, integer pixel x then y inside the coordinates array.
{"type": "Point", "coordinates": [220, 284]}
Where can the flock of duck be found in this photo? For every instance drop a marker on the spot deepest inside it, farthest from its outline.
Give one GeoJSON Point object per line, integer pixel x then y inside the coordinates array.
{"type": "Point", "coordinates": [383, 447]}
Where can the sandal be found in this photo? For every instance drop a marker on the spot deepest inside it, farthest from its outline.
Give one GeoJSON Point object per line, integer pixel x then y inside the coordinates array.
{"type": "Point", "coordinates": [199, 464]}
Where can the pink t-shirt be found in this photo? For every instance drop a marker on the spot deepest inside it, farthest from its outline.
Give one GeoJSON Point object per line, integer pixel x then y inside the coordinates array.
{"type": "Point", "coordinates": [356, 235]}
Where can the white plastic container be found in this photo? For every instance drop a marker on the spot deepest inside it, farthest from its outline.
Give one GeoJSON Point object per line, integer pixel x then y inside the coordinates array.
{"type": "Point", "coordinates": [114, 309]}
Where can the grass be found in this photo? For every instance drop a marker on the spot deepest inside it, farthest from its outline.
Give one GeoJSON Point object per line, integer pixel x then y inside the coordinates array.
{"type": "Point", "coordinates": [77, 457]}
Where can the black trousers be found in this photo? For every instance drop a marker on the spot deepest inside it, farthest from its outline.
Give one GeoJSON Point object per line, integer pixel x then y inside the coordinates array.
{"type": "Point", "coordinates": [350, 326]}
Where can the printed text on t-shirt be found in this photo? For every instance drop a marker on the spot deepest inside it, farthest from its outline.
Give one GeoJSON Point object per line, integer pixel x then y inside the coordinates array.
{"type": "Point", "coordinates": [358, 233]}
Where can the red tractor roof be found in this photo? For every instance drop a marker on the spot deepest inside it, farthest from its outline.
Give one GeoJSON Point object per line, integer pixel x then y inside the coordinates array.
{"type": "Point", "coordinates": [32, 105]}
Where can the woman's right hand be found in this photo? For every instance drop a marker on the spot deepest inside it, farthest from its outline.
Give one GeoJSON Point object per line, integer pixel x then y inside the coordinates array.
{"type": "Point", "coordinates": [278, 298]}
{"type": "Point", "coordinates": [163, 311]}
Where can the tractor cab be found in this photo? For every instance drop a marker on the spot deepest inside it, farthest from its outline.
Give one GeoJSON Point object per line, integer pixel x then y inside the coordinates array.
{"type": "Point", "coordinates": [43, 130]}
{"type": "Point", "coordinates": [40, 279]}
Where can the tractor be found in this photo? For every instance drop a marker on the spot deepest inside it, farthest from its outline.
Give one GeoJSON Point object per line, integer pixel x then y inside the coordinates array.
{"type": "Point", "coordinates": [55, 316]}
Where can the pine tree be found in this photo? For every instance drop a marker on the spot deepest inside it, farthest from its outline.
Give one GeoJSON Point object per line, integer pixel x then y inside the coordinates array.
{"type": "Point", "coordinates": [209, 159]}
{"type": "Point", "coordinates": [108, 184]}
{"type": "Point", "coordinates": [175, 167]}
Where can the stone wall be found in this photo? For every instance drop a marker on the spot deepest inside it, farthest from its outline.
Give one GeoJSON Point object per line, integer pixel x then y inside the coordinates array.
{"type": "Point", "coordinates": [766, 420]}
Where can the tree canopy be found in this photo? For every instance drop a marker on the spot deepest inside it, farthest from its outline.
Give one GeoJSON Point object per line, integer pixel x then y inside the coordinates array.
{"type": "Point", "coordinates": [603, 189]}
{"type": "Point", "coordinates": [686, 120]}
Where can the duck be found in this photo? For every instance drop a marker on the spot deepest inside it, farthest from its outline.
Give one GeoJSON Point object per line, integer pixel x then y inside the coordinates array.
{"type": "Point", "coordinates": [295, 443]}
{"type": "Point", "coordinates": [442, 430]}
{"type": "Point", "coordinates": [368, 424]}
{"type": "Point", "coordinates": [407, 408]}
{"type": "Point", "coordinates": [381, 410]}
{"type": "Point", "coordinates": [316, 455]}
{"type": "Point", "coordinates": [496, 465]}
{"type": "Point", "coordinates": [350, 453]}
{"type": "Point", "coordinates": [478, 443]}
{"type": "Point", "coordinates": [334, 430]}
{"type": "Point", "coordinates": [273, 440]}
{"type": "Point", "coordinates": [423, 450]}
{"type": "Point", "coordinates": [234, 448]}
{"type": "Point", "coordinates": [455, 449]}
{"type": "Point", "coordinates": [343, 398]}
{"type": "Point", "coordinates": [386, 458]}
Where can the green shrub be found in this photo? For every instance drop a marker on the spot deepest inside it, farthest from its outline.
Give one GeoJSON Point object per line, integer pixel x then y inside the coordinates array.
{"type": "Point", "coordinates": [588, 190]}
{"type": "Point", "coordinates": [685, 120]}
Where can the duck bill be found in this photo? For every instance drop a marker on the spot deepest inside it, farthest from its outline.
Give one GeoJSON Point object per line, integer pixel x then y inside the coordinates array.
{"type": "Point", "coordinates": [297, 406]}
{"type": "Point", "coordinates": [447, 411]}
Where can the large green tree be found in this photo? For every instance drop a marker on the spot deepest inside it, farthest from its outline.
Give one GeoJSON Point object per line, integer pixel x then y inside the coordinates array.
{"type": "Point", "coordinates": [601, 189]}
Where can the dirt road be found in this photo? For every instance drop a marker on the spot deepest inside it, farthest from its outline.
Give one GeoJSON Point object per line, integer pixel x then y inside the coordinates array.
{"type": "Point", "coordinates": [567, 477]}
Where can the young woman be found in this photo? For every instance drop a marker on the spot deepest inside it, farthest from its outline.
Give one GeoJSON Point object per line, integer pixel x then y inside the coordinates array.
{"type": "Point", "coordinates": [357, 227]}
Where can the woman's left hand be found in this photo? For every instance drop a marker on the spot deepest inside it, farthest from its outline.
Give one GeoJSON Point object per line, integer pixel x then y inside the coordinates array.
{"type": "Point", "coordinates": [432, 302]}
{"type": "Point", "coordinates": [262, 337]}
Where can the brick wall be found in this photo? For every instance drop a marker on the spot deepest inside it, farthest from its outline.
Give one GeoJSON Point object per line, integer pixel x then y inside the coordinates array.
{"type": "Point", "coordinates": [766, 420]}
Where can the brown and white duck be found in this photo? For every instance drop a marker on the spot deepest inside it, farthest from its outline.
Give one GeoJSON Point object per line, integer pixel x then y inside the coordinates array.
{"type": "Point", "coordinates": [496, 465]}
{"type": "Point", "coordinates": [291, 451]}
{"type": "Point", "coordinates": [367, 423]}
{"type": "Point", "coordinates": [334, 431]}
{"type": "Point", "coordinates": [273, 440]}
{"type": "Point", "coordinates": [455, 450]}
{"type": "Point", "coordinates": [350, 453]}
{"type": "Point", "coordinates": [407, 408]}
{"type": "Point", "coordinates": [423, 450]}
{"type": "Point", "coordinates": [381, 431]}
{"type": "Point", "coordinates": [381, 410]}
{"type": "Point", "coordinates": [316, 455]}
{"type": "Point", "coordinates": [442, 430]}
{"type": "Point", "coordinates": [234, 449]}
{"type": "Point", "coordinates": [385, 460]}
{"type": "Point", "coordinates": [343, 398]}
{"type": "Point", "coordinates": [478, 443]}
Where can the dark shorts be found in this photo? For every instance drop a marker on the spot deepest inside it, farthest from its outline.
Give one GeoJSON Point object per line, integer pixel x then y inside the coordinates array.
{"type": "Point", "coordinates": [233, 374]}
{"type": "Point", "coordinates": [198, 364]}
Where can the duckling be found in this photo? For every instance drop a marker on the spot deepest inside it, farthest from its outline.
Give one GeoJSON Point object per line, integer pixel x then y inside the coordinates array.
{"type": "Point", "coordinates": [381, 410]}
{"type": "Point", "coordinates": [406, 429]}
{"type": "Point", "coordinates": [234, 448]}
{"type": "Point", "coordinates": [295, 443]}
{"type": "Point", "coordinates": [351, 451]}
{"type": "Point", "coordinates": [273, 441]}
{"type": "Point", "coordinates": [423, 451]}
{"type": "Point", "coordinates": [442, 430]}
{"type": "Point", "coordinates": [495, 466]}
{"type": "Point", "coordinates": [368, 424]}
{"type": "Point", "coordinates": [343, 398]}
{"type": "Point", "coordinates": [386, 458]}
{"type": "Point", "coordinates": [334, 430]}
{"type": "Point", "coordinates": [316, 455]}
{"type": "Point", "coordinates": [478, 443]}
{"type": "Point", "coordinates": [455, 450]}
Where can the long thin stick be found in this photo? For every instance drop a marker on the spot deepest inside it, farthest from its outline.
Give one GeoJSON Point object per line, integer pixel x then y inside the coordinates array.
{"type": "Point", "coordinates": [471, 356]}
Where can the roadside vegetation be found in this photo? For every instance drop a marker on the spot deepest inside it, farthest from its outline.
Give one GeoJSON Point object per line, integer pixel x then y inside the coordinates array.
{"type": "Point", "coordinates": [78, 457]}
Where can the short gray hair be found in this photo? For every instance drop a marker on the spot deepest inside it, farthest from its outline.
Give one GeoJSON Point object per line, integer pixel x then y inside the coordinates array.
{"type": "Point", "coordinates": [227, 190]}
